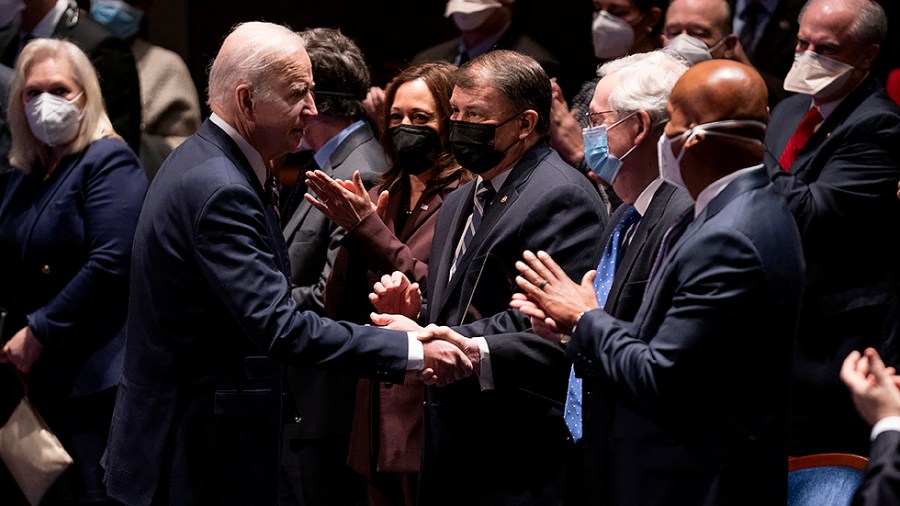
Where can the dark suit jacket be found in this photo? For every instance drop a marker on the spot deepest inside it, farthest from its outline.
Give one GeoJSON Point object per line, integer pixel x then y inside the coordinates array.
{"type": "Point", "coordinates": [324, 399]}
{"type": "Point", "coordinates": [773, 55]}
{"type": "Point", "coordinates": [842, 191]}
{"type": "Point", "coordinates": [679, 435]}
{"type": "Point", "coordinates": [388, 428]}
{"type": "Point", "coordinates": [881, 483]}
{"type": "Point", "coordinates": [112, 59]}
{"type": "Point", "coordinates": [505, 444]}
{"type": "Point", "coordinates": [513, 39]}
{"type": "Point", "coordinates": [68, 280]}
{"type": "Point", "coordinates": [209, 300]}
{"type": "Point", "coordinates": [622, 302]}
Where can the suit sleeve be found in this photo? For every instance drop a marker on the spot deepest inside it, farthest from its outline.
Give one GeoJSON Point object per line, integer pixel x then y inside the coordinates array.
{"type": "Point", "coordinates": [710, 297]}
{"type": "Point", "coordinates": [881, 483]}
{"type": "Point", "coordinates": [382, 251]}
{"type": "Point", "coordinates": [235, 256]}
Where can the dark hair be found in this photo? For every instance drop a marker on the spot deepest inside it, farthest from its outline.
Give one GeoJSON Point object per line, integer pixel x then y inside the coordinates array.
{"type": "Point", "coordinates": [518, 78]}
{"type": "Point", "coordinates": [340, 73]}
{"type": "Point", "coordinates": [437, 76]}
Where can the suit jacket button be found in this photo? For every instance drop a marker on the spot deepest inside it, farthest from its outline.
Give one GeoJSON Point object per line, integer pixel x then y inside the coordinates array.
{"type": "Point", "coordinates": [45, 269]}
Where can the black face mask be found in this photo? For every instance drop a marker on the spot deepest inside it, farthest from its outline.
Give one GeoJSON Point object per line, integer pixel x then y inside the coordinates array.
{"type": "Point", "coordinates": [417, 147]}
{"type": "Point", "coordinates": [473, 145]}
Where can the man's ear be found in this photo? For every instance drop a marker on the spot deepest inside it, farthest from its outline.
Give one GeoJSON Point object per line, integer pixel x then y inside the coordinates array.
{"type": "Point", "coordinates": [244, 95]}
{"type": "Point", "coordinates": [527, 122]}
{"type": "Point", "coordinates": [644, 127]}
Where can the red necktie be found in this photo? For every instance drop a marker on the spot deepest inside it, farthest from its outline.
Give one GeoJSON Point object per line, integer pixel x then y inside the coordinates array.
{"type": "Point", "coordinates": [804, 131]}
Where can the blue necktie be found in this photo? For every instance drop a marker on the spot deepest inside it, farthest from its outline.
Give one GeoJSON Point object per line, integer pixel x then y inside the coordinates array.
{"type": "Point", "coordinates": [606, 271]}
{"type": "Point", "coordinates": [483, 195]}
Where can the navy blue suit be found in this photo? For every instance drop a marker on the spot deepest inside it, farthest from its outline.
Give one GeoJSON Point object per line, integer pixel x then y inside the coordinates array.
{"type": "Point", "coordinates": [197, 420]}
{"type": "Point", "coordinates": [881, 483]}
{"type": "Point", "coordinates": [698, 382]}
{"type": "Point", "coordinates": [842, 191]}
{"type": "Point", "coordinates": [506, 445]}
{"type": "Point", "coordinates": [65, 250]}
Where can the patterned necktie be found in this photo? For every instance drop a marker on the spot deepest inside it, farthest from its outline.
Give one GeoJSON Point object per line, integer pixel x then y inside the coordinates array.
{"type": "Point", "coordinates": [273, 192]}
{"type": "Point", "coordinates": [804, 131]}
{"type": "Point", "coordinates": [483, 195]}
{"type": "Point", "coordinates": [606, 271]}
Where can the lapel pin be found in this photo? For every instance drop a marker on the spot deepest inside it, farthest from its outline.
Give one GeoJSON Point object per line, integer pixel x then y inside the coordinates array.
{"type": "Point", "coordinates": [424, 207]}
{"type": "Point", "coordinates": [503, 200]}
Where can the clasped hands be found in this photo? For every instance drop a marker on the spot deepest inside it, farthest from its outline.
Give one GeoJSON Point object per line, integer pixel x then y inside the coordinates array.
{"type": "Point", "coordinates": [22, 350]}
{"type": "Point", "coordinates": [449, 356]}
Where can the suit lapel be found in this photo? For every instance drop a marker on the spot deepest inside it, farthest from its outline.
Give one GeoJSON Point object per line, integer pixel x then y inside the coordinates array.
{"type": "Point", "coordinates": [459, 217]}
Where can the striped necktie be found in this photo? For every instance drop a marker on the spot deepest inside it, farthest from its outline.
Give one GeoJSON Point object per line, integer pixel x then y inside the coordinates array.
{"type": "Point", "coordinates": [483, 195]}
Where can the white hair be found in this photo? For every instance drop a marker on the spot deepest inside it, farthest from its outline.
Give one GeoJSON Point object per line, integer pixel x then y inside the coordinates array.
{"type": "Point", "coordinates": [645, 81]}
{"type": "Point", "coordinates": [253, 53]}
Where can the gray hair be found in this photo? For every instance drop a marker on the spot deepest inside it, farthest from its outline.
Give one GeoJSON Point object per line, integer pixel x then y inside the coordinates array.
{"type": "Point", "coordinates": [340, 71]}
{"type": "Point", "coordinates": [645, 82]}
{"type": "Point", "coordinates": [256, 64]}
{"type": "Point", "coordinates": [870, 26]}
{"type": "Point", "coordinates": [26, 149]}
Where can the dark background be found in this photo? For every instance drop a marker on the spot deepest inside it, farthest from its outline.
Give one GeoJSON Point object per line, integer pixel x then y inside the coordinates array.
{"type": "Point", "coordinates": [390, 32]}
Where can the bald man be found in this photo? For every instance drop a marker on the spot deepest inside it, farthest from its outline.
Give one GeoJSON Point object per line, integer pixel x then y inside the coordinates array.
{"type": "Point", "coordinates": [699, 380]}
{"type": "Point", "coordinates": [198, 414]}
{"type": "Point", "coordinates": [841, 187]}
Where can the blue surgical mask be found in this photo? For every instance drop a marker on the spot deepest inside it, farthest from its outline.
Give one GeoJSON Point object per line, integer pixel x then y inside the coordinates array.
{"type": "Point", "coordinates": [121, 19]}
{"type": "Point", "coordinates": [596, 151]}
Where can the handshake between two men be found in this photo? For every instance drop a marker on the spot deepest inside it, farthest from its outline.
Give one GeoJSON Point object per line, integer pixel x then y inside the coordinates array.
{"type": "Point", "coordinates": [549, 297]}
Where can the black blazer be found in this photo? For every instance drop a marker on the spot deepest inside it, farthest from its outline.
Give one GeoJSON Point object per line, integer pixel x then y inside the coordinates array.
{"type": "Point", "coordinates": [842, 191]}
{"type": "Point", "coordinates": [111, 58]}
{"type": "Point", "coordinates": [210, 300]}
{"type": "Point", "coordinates": [881, 483]}
{"type": "Point", "coordinates": [506, 444]}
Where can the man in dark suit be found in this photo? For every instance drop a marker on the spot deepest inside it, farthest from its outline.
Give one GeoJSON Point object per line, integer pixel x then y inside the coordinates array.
{"type": "Point", "coordinates": [638, 85]}
{"type": "Point", "coordinates": [831, 152]}
{"type": "Point", "coordinates": [110, 56]}
{"type": "Point", "coordinates": [678, 433]}
{"type": "Point", "coordinates": [485, 25]}
{"type": "Point", "coordinates": [525, 196]}
{"type": "Point", "coordinates": [197, 417]}
{"type": "Point", "coordinates": [876, 395]}
{"type": "Point", "coordinates": [316, 436]}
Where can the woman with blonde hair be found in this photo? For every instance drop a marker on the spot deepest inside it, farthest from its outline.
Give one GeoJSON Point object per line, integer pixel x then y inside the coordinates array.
{"type": "Point", "coordinates": [68, 211]}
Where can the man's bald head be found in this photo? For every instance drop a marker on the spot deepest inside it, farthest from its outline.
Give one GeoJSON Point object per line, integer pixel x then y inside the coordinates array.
{"type": "Point", "coordinates": [718, 90]}
{"type": "Point", "coordinates": [708, 20]}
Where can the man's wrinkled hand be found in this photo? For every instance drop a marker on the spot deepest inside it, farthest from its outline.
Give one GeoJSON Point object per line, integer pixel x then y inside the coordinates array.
{"type": "Point", "coordinates": [466, 344]}
{"type": "Point", "coordinates": [447, 362]}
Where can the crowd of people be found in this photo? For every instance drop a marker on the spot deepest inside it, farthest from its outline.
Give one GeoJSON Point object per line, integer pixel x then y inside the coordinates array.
{"type": "Point", "coordinates": [465, 288]}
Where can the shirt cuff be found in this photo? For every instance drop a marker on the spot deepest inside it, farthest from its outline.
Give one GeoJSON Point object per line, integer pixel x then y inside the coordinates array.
{"type": "Point", "coordinates": [416, 359]}
{"type": "Point", "coordinates": [485, 373]}
{"type": "Point", "coordinates": [885, 424]}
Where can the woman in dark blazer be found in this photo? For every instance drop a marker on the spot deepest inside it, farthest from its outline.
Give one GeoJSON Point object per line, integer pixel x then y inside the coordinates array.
{"type": "Point", "coordinates": [387, 229]}
{"type": "Point", "coordinates": [68, 213]}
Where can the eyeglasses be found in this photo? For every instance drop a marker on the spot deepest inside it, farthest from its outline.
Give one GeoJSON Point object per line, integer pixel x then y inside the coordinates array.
{"type": "Point", "coordinates": [594, 119]}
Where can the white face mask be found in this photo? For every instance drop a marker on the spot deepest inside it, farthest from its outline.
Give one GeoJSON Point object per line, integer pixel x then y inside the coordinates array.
{"type": "Point", "coordinates": [472, 20]}
{"type": "Point", "coordinates": [817, 75]}
{"type": "Point", "coordinates": [53, 119]}
{"type": "Point", "coordinates": [10, 11]}
{"type": "Point", "coordinates": [691, 49]}
{"type": "Point", "coordinates": [670, 163]}
{"type": "Point", "coordinates": [613, 36]}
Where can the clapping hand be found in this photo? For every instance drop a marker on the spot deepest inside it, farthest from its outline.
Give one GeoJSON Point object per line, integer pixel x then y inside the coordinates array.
{"type": "Point", "coordinates": [395, 294]}
{"type": "Point", "coordinates": [550, 298]}
{"type": "Point", "coordinates": [345, 203]}
{"type": "Point", "coordinates": [872, 385]}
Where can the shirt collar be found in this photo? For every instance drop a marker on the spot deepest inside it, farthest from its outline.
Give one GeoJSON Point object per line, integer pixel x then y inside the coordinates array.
{"type": "Point", "coordinates": [643, 201]}
{"type": "Point", "coordinates": [498, 180]}
{"type": "Point", "coordinates": [324, 153]}
{"type": "Point", "coordinates": [47, 25]}
{"type": "Point", "coordinates": [256, 161]}
{"type": "Point", "coordinates": [712, 191]}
